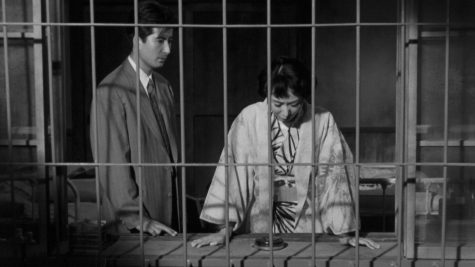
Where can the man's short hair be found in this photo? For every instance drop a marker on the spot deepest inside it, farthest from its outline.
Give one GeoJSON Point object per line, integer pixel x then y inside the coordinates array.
{"type": "Point", "coordinates": [149, 12]}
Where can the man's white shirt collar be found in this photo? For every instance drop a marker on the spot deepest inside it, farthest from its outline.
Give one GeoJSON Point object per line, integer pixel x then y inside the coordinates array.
{"type": "Point", "coordinates": [144, 78]}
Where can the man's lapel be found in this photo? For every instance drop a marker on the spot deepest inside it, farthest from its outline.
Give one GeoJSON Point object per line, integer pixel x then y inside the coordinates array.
{"type": "Point", "coordinates": [146, 112]}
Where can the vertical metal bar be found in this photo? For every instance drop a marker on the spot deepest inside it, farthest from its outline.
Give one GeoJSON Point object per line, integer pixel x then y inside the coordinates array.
{"type": "Point", "coordinates": [357, 209]}
{"type": "Point", "coordinates": [7, 98]}
{"type": "Point", "coordinates": [410, 120]}
{"type": "Point", "coordinates": [52, 127]}
{"type": "Point", "coordinates": [62, 10]}
{"type": "Point", "coordinates": [94, 114]}
{"type": "Point", "coordinates": [57, 47]}
{"type": "Point", "coordinates": [400, 227]}
{"type": "Point", "coordinates": [182, 127]}
{"type": "Point", "coordinates": [50, 83]}
{"type": "Point", "coordinates": [225, 120]}
{"type": "Point", "coordinates": [446, 132]}
{"type": "Point", "coordinates": [357, 135]}
{"type": "Point", "coordinates": [313, 158]}
{"type": "Point", "coordinates": [357, 114]}
{"type": "Point", "coordinates": [40, 131]}
{"type": "Point", "coordinates": [269, 134]}
{"type": "Point", "coordinates": [400, 104]}
{"type": "Point", "coordinates": [139, 137]}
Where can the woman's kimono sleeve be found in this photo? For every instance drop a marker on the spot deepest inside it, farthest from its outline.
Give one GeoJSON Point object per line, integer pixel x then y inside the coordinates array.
{"type": "Point", "coordinates": [335, 183]}
{"type": "Point", "coordinates": [240, 179]}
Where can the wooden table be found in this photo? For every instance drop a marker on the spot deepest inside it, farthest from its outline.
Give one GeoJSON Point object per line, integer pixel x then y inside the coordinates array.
{"type": "Point", "coordinates": [169, 251]}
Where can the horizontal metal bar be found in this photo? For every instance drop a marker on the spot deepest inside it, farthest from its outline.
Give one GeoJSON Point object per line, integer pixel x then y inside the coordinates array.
{"type": "Point", "coordinates": [18, 142]}
{"type": "Point", "coordinates": [20, 35]}
{"type": "Point", "coordinates": [220, 26]}
{"type": "Point", "coordinates": [442, 34]}
{"type": "Point", "coordinates": [450, 143]}
{"type": "Point", "coordinates": [194, 164]}
{"type": "Point", "coordinates": [24, 130]}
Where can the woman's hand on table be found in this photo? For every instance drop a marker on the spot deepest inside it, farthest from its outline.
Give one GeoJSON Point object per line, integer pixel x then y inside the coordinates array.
{"type": "Point", "coordinates": [214, 239]}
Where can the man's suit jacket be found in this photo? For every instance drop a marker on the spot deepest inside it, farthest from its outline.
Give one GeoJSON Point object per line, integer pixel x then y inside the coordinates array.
{"type": "Point", "coordinates": [118, 142]}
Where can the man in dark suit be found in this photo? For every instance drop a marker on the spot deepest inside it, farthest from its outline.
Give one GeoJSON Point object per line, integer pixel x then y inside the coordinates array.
{"type": "Point", "coordinates": [119, 139]}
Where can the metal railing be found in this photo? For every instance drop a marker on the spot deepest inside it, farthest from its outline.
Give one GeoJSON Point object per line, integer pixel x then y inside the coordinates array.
{"type": "Point", "coordinates": [400, 164]}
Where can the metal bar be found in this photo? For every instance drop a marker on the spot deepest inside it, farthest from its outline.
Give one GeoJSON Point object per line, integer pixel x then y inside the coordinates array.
{"type": "Point", "coordinates": [27, 142]}
{"type": "Point", "coordinates": [449, 143]}
{"type": "Point", "coordinates": [357, 221]}
{"type": "Point", "coordinates": [400, 221]}
{"type": "Point", "coordinates": [59, 44]}
{"type": "Point", "coordinates": [225, 122]}
{"type": "Point", "coordinates": [139, 138]}
{"type": "Point", "coordinates": [410, 120]}
{"type": "Point", "coordinates": [220, 26]}
{"type": "Point", "coordinates": [7, 80]}
{"type": "Point", "coordinates": [400, 126]}
{"type": "Point", "coordinates": [17, 141]}
{"type": "Point", "coordinates": [357, 87]}
{"type": "Point", "coordinates": [7, 99]}
{"type": "Point", "coordinates": [182, 132]}
{"type": "Point", "coordinates": [357, 134]}
{"type": "Point", "coordinates": [50, 82]}
{"type": "Point", "coordinates": [446, 133]}
{"type": "Point", "coordinates": [96, 133]}
{"type": "Point", "coordinates": [269, 133]}
{"type": "Point", "coordinates": [313, 158]}
{"type": "Point", "coordinates": [17, 35]}
{"type": "Point", "coordinates": [40, 127]}
{"type": "Point", "coordinates": [369, 164]}
{"type": "Point", "coordinates": [56, 183]}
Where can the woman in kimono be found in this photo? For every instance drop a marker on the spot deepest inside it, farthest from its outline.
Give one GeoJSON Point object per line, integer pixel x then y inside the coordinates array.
{"type": "Point", "coordinates": [291, 141]}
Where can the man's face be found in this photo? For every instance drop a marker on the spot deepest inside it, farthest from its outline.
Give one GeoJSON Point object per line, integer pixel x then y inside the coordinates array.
{"type": "Point", "coordinates": [155, 49]}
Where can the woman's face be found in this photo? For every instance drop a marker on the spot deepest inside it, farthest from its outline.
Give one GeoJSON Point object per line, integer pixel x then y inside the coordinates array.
{"type": "Point", "coordinates": [287, 109]}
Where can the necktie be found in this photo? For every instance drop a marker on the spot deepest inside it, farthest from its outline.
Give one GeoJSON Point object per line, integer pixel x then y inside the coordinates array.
{"type": "Point", "coordinates": [152, 94]}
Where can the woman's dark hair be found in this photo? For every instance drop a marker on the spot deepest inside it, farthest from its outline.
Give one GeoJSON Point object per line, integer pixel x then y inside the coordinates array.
{"type": "Point", "coordinates": [149, 12]}
{"type": "Point", "coordinates": [286, 73]}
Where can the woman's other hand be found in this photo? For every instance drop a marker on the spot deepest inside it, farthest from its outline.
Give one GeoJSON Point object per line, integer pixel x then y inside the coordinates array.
{"type": "Point", "coordinates": [210, 240]}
